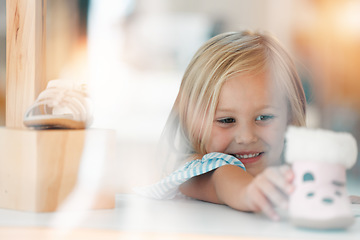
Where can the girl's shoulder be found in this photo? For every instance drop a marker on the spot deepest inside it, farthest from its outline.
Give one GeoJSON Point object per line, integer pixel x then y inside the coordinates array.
{"type": "Point", "coordinates": [168, 187]}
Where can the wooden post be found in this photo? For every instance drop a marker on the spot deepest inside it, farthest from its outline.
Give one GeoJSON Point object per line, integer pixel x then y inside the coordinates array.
{"type": "Point", "coordinates": [25, 57]}
{"type": "Point", "coordinates": [39, 170]}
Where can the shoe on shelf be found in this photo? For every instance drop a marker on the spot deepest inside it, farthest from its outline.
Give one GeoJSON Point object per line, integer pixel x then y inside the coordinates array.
{"type": "Point", "coordinates": [64, 104]}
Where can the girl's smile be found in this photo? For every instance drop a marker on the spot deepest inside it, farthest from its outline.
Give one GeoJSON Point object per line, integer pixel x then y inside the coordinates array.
{"type": "Point", "coordinates": [250, 121]}
{"type": "Point", "coordinates": [248, 157]}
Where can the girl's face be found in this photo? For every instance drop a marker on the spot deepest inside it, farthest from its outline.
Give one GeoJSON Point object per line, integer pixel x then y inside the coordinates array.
{"type": "Point", "coordinates": [249, 122]}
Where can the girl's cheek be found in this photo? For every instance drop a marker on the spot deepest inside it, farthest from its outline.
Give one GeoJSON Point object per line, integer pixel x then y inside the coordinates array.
{"type": "Point", "coordinates": [272, 134]}
{"type": "Point", "coordinates": [277, 130]}
{"type": "Point", "coordinates": [275, 138]}
{"type": "Point", "coordinates": [219, 140]}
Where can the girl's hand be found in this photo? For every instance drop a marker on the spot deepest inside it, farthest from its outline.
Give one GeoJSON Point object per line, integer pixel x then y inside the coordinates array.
{"type": "Point", "coordinates": [270, 189]}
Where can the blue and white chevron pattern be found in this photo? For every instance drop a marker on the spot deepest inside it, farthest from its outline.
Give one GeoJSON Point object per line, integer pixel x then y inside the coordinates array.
{"type": "Point", "coordinates": [168, 187]}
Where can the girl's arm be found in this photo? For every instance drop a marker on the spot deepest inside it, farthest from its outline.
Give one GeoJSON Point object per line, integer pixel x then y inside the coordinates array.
{"type": "Point", "coordinates": [238, 189]}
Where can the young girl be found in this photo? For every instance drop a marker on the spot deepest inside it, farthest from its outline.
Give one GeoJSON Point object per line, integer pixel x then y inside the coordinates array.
{"type": "Point", "coordinates": [237, 97]}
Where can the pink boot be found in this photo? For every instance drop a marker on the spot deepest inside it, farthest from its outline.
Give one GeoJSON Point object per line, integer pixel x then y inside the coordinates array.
{"type": "Point", "coordinates": [319, 160]}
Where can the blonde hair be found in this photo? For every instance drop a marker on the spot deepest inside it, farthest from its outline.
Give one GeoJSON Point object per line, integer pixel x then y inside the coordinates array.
{"type": "Point", "coordinates": [216, 61]}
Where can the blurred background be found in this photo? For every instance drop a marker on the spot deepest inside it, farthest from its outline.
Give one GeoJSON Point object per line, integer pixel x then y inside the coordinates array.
{"type": "Point", "coordinates": [133, 54]}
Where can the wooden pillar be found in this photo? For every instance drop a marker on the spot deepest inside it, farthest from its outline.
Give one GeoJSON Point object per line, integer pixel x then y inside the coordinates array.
{"type": "Point", "coordinates": [39, 169]}
{"type": "Point", "coordinates": [25, 57]}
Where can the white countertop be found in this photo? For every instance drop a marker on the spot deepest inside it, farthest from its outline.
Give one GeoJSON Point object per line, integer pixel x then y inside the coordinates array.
{"type": "Point", "coordinates": [181, 216]}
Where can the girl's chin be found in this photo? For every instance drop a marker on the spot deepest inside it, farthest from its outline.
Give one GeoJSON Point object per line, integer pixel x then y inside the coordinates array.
{"type": "Point", "coordinates": [255, 169]}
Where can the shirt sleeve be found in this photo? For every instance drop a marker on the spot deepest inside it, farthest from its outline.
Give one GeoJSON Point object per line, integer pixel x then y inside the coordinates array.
{"type": "Point", "coordinates": [168, 187]}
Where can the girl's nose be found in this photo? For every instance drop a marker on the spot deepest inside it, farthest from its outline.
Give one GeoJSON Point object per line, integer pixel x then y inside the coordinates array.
{"type": "Point", "coordinates": [245, 134]}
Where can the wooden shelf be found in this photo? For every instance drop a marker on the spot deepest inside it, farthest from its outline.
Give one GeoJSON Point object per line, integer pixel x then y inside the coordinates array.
{"type": "Point", "coordinates": [39, 170]}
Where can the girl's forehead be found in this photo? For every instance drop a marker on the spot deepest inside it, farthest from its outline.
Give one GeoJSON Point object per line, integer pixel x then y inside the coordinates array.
{"type": "Point", "coordinates": [247, 83]}
{"type": "Point", "coordinates": [252, 89]}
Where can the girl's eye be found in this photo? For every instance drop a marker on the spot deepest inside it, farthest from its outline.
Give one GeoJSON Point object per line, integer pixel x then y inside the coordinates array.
{"type": "Point", "coordinates": [226, 120]}
{"type": "Point", "coordinates": [264, 118]}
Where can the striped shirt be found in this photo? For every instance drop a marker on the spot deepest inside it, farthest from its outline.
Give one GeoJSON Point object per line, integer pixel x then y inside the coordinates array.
{"type": "Point", "coordinates": [168, 187]}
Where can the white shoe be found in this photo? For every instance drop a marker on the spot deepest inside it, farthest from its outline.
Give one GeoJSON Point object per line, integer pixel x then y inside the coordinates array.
{"type": "Point", "coordinates": [63, 104]}
{"type": "Point", "coordinates": [319, 160]}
